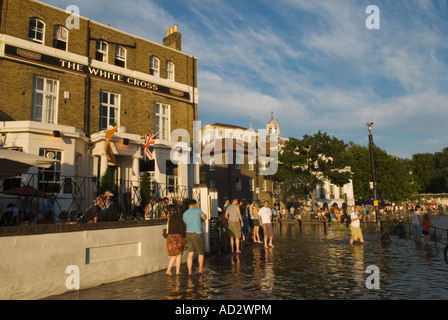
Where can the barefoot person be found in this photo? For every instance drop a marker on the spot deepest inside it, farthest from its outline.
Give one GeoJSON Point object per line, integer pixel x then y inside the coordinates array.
{"type": "Point", "coordinates": [265, 215]}
{"type": "Point", "coordinates": [256, 223]}
{"type": "Point", "coordinates": [195, 242]}
{"type": "Point", "coordinates": [233, 214]}
{"type": "Point", "coordinates": [175, 241]}
{"type": "Point", "coordinates": [355, 225]}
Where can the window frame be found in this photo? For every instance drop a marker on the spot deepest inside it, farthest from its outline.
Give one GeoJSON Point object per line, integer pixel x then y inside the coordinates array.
{"type": "Point", "coordinates": [44, 107]}
{"type": "Point", "coordinates": [251, 184]}
{"type": "Point", "coordinates": [264, 185]}
{"type": "Point", "coordinates": [251, 165]}
{"type": "Point", "coordinates": [54, 171]}
{"type": "Point", "coordinates": [119, 57]}
{"type": "Point", "coordinates": [165, 134]}
{"type": "Point", "coordinates": [153, 70]}
{"type": "Point", "coordinates": [56, 39]}
{"type": "Point", "coordinates": [104, 52]}
{"type": "Point", "coordinates": [109, 106]}
{"type": "Point", "coordinates": [36, 31]}
{"type": "Point", "coordinates": [170, 70]}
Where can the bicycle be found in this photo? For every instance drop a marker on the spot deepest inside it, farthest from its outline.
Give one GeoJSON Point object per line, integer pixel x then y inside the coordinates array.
{"type": "Point", "coordinates": [398, 228]}
{"type": "Point", "coordinates": [218, 237]}
{"type": "Point", "coordinates": [215, 241]}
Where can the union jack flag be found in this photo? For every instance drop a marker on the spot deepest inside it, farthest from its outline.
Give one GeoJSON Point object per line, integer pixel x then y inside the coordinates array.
{"type": "Point", "coordinates": [149, 146]}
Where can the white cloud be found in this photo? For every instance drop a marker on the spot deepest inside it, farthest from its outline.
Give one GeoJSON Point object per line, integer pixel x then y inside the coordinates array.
{"type": "Point", "coordinates": [313, 63]}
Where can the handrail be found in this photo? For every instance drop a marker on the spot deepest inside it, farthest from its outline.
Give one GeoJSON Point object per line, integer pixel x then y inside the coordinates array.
{"type": "Point", "coordinates": [434, 235]}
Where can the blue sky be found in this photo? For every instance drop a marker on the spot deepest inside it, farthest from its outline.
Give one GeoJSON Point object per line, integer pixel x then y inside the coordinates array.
{"type": "Point", "coordinates": [313, 63]}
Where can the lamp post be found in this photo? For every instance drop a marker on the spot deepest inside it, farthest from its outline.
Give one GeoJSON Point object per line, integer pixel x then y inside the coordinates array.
{"type": "Point", "coordinates": [372, 162]}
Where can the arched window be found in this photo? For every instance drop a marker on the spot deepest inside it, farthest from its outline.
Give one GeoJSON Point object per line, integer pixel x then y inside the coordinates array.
{"type": "Point", "coordinates": [120, 56]}
{"type": "Point", "coordinates": [101, 51]}
{"type": "Point", "coordinates": [170, 70]}
{"type": "Point", "coordinates": [60, 38]}
{"type": "Point", "coordinates": [154, 66]}
{"type": "Point", "coordinates": [36, 30]}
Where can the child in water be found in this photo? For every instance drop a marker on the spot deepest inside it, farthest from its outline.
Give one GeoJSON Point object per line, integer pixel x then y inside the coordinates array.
{"type": "Point", "coordinates": [426, 228]}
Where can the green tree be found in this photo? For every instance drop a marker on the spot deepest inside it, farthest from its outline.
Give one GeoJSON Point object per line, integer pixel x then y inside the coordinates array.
{"type": "Point", "coordinates": [145, 189]}
{"type": "Point", "coordinates": [107, 181]}
{"type": "Point", "coordinates": [431, 171]}
{"type": "Point", "coordinates": [440, 181]}
{"type": "Point", "coordinates": [393, 175]}
{"type": "Point", "coordinates": [423, 170]}
{"type": "Point", "coordinates": [311, 161]}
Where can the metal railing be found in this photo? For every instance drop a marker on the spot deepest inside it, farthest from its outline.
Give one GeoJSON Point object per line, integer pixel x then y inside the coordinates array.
{"type": "Point", "coordinates": [76, 194]}
{"type": "Point", "coordinates": [437, 235]}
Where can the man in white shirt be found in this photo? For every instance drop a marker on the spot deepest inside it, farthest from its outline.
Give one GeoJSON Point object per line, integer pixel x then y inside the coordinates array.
{"type": "Point", "coordinates": [355, 225]}
{"type": "Point", "coordinates": [265, 216]}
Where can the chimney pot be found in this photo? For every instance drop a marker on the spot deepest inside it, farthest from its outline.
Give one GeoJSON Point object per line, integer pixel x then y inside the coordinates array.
{"type": "Point", "coordinates": [173, 38]}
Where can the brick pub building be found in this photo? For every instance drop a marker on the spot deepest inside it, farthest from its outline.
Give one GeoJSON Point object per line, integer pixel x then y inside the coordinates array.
{"type": "Point", "coordinates": [62, 87]}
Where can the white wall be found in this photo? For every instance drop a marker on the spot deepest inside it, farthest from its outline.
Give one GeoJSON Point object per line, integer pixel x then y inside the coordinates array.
{"type": "Point", "coordinates": [33, 267]}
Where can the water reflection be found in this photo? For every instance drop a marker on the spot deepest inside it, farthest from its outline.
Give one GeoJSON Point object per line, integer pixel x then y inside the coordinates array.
{"type": "Point", "coordinates": [306, 263]}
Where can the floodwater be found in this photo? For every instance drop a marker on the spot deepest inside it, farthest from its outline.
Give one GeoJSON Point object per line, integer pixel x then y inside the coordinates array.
{"type": "Point", "coordinates": [306, 263]}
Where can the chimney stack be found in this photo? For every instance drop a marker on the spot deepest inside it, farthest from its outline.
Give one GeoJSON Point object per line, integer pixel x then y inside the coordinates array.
{"type": "Point", "coordinates": [173, 38]}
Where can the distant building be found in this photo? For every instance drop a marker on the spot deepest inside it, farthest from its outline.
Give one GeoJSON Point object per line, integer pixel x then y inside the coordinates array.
{"type": "Point", "coordinates": [62, 88]}
{"type": "Point", "coordinates": [244, 180]}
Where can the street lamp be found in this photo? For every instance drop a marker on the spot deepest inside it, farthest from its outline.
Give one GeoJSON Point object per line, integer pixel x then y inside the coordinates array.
{"type": "Point", "coordinates": [372, 162]}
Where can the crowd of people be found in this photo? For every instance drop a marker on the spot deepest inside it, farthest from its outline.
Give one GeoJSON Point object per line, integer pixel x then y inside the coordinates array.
{"type": "Point", "coordinates": [104, 209]}
{"type": "Point", "coordinates": [244, 220]}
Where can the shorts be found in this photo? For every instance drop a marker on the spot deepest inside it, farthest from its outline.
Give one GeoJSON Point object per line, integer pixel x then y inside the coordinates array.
{"type": "Point", "coordinates": [255, 222]}
{"type": "Point", "coordinates": [268, 230]}
{"type": "Point", "coordinates": [195, 242]}
{"type": "Point", "coordinates": [356, 233]}
{"type": "Point", "coordinates": [426, 233]}
{"type": "Point", "coordinates": [234, 229]}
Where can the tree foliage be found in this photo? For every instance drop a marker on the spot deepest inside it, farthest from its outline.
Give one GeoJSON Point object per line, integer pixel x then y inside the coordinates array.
{"type": "Point", "coordinates": [311, 161]}
{"type": "Point", "coordinates": [431, 171]}
{"type": "Point", "coordinates": [393, 175]}
{"type": "Point", "coordinates": [145, 189]}
{"type": "Point", "coordinates": [308, 162]}
{"type": "Point", "coordinates": [107, 181]}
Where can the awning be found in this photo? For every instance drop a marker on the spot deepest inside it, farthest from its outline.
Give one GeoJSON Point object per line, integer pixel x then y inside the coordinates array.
{"type": "Point", "coordinates": [26, 191]}
{"type": "Point", "coordinates": [15, 162]}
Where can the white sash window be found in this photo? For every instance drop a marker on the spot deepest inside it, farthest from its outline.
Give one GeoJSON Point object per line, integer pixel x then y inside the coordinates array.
{"type": "Point", "coordinates": [101, 51]}
{"type": "Point", "coordinates": [109, 109]}
{"type": "Point", "coordinates": [45, 100]}
{"type": "Point", "coordinates": [120, 57]}
{"type": "Point", "coordinates": [162, 121]}
{"type": "Point", "coordinates": [60, 38]}
{"type": "Point", "coordinates": [36, 30]}
{"type": "Point", "coordinates": [154, 66]}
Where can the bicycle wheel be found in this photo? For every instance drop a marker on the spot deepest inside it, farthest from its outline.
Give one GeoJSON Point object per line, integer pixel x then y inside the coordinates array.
{"type": "Point", "coordinates": [224, 243]}
{"type": "Point", "coordinates": [215, 243]}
